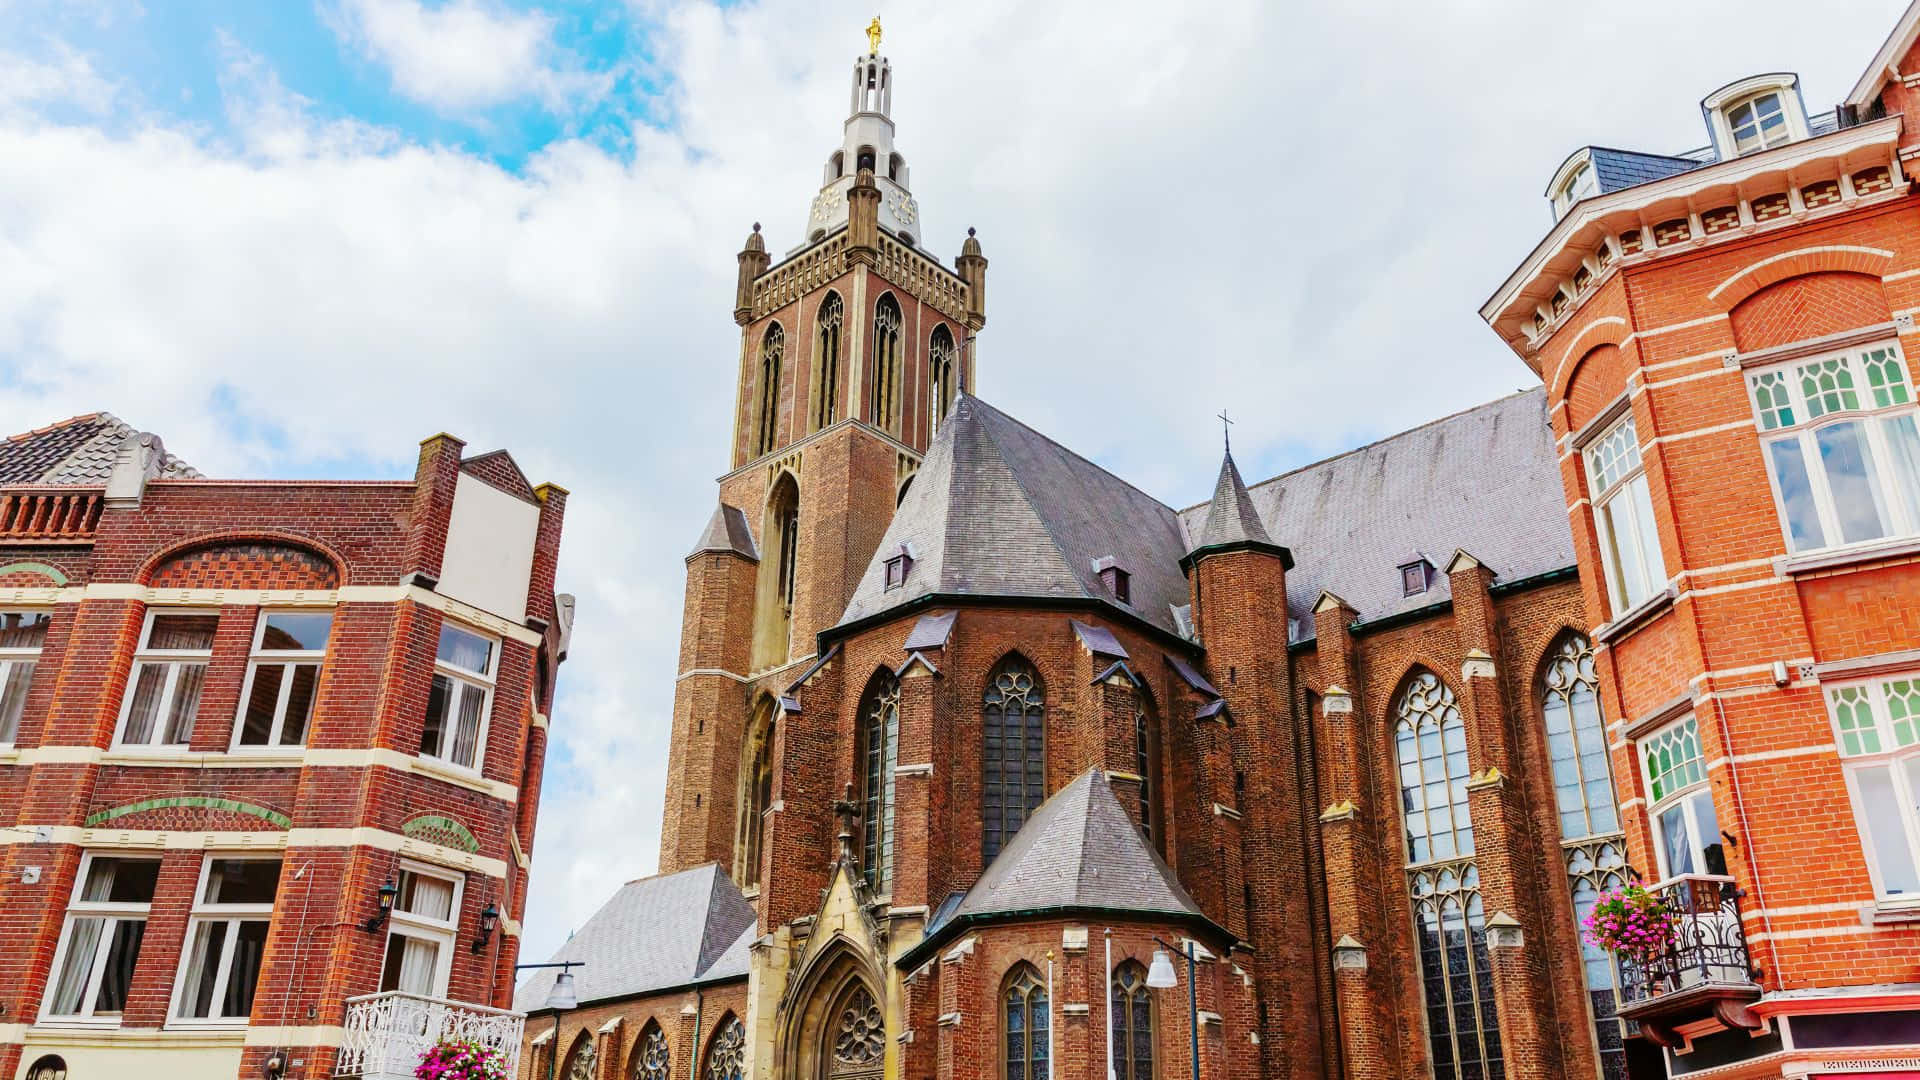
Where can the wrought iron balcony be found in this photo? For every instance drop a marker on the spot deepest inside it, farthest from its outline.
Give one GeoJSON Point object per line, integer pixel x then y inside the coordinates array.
{"type": "Point", "coordinates": [387, 1033]}
{"type": "Point", "coordinates": [1705, 970]}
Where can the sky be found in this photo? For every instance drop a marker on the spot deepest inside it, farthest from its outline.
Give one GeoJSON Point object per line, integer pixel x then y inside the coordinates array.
{"type": "Point", "coordinates": [295, 238]}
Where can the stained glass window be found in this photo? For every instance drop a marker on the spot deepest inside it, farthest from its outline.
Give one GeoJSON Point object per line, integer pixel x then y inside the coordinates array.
{"type": "Point", "coordinates": [727, 1054]}
{"type": "Point", "coordinates": [1132, 1017]}
{"type": "Point", "coordinates": [1463, 1031]}
{"type": "Point", "coordinates": [1014, 760]}
{"type": "Point", "coordinates": [1028, 1026]}
{"type": "Point", "coordinates": [1431, 748]}
{"type": "Point", "coordinates": [651, 1060]}
{"type": "Point", "coordinates": [880, 736]}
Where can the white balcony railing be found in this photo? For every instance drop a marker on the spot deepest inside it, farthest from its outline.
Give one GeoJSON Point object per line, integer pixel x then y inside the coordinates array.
{"type": "Point", "coordinates": [387, 1033]}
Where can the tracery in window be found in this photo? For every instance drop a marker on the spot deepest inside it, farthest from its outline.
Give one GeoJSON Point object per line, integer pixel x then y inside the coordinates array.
{"type": "Point", "coordinates": [1014, 756]}
{"type": "Point", "coordinates": [826, 361]}
{"type": "Point", "coordinates": [1463, 1032]}
{"type": "Point", "coordinates": [1594, 867]}
{"type": "Point", "coordinates": [879, 749]}
{"type": "Point", "coordinates": [727, 1053]}
{"type": "Point", "coordinates": [886, 364]}
{"type": "Point", "coordinates": [1026, 1026]}
{"type": "Point", "coordinates": [1430, 743]}
{"type": "Point", "coordinates": [940, 385]}
{"type": "Point", "coordinates": [766, 426]}
{"type": "Point", "coordinates": [1130, 1006]}
{"type": "Point", "coordinates": [581, 1060]}
{"type": "Point", "coordinates": [1577, 741]}
{"type": "Point", "coordinates": [1144, 724]}
{"type": "Point", "coordinates": [756, 794]}
{"type": "Point", "coordinates": [651, 1060]}
{"type": "Point", "coordinates": [779, 573]}
{"type": "Point", "coordinates": [859, 1036]}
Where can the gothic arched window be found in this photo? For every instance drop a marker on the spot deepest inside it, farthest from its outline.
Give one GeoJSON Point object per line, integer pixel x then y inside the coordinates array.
{"type": "Point", "coordinates": [766, 426]}
{"type": "Point", "coordinates": [651, 1059]}
{"type": "Point", "coordinates": [859, 1035]}
{"type": "Point", "coordinates": [779, 575]}
{"type": "Point", "coordinates": [756, 794]}
{"type": "Point", "coordinates": [580, 1059]}
{"type": "Point", "coordinates": [1144, 758]}
{"type": "Point", "coordinates": [1593, 868]}
{"type": "Point", "coordinates": [886, 364]}
{"type": "Point", "coordinates": [1431, 749]}
{"type": "Point", "coordinates": [826, 361]}
{"type": "Point", "coordinates": [1577, 741]}
{"type": "Point", "coordinates": [727, 1053]}
{"type": "Point", "coordinates": [1028, 1026]}
{"type": "Point", "coordinates": [1014, 757]}
{"type": "Point", "coordinates": [940, 357]}
{"type": "Point", "coordinates": [1132, 1012]}
{"type": "Point", "coordinates": [879, 750]}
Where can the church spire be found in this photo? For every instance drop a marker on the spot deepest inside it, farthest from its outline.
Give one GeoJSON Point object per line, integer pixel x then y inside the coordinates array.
{"type": "Point", "coordinates": [1232, 523]}
{"type": "Point", "coordinates": [866, 144]}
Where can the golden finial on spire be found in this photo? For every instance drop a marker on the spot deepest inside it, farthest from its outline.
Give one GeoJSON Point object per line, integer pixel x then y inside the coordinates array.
{"type": "Point", "coordinates": [873, 37]}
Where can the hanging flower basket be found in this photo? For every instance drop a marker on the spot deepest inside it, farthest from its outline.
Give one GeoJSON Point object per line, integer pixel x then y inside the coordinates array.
{"type": "Point", "coordinates": [462, 1060]}
{"type": "Point", "coordinates": [1631, 923]}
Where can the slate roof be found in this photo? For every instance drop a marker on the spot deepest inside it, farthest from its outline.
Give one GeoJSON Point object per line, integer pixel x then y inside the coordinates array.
{"type": "Point", "coordinates": [1231, 518]}
{"type": "Point", "coordinates": [80, 450]}
{"type": "Point", "coordinates": [1079, 849]}
{"type": "Point", "coordinates": [1485, 480]}
{"type": "Point", "coordinates": [1617, 169]}
{"type": "Point", "coordinates": [727, 530]}
{"type": "Point", "coordinates": [655, 933]}
{"type": "Point", "coordinates": [998, 509]}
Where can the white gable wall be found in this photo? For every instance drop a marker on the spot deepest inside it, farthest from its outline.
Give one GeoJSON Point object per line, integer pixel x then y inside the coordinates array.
{"type": "Point", "coordinates": [489, 559]}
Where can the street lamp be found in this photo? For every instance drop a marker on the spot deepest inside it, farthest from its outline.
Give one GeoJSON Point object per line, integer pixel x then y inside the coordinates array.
{"type": "Point", "coordinates": [1160, 976]}
{"type": "Point", "coordinates": [561, 996]}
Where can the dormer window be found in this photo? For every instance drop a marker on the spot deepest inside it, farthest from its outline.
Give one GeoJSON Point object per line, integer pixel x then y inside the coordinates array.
{"type": "Point", "coordinates": [1117, 581]}
{"type": "Point", "coordinates": [1415, 577]}
{"type": "Point", "coordinates": [1758, 123]}
{"type": "Point", "coordinates": [898, 567]}
{"type": "Point", "coordinates": [1582, 183]}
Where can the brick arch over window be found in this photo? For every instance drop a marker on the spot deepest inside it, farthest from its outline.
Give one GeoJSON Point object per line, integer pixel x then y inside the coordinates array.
{"type": "Point", "coordinates": [1013, 755]}
{"type": "Point", "coordinates": [652, 1054]}
{"type": "Point", "coordinates": [1809, 306]}
{"type": "Point", "coordinates": [1599, 377]}
{"type": "Point", "coordinates": [1605, 330]}
{"type": "Point", "coordinates": [1833, 258]}
{"type": "Point", "coordinates": [581, 1063]}
{"type": "Point", "coordinates": [244, 560]}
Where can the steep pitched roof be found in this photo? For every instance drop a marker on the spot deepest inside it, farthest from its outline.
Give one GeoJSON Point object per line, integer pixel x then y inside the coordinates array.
{"type": "Point", "coordinates": [659, 932]}
{"type": "Point", "coordinates": [1485, 480]}
{"type": "Point", "coordinates": [727, 530]}
{"type": "Point", "coordinates": [1078, 850]}
{"type": "Point", "coordinates": [1231, 518]}
{"type": "Point", "coordinates": [997, 509]}
{"type": "Point", "coordinates": [80, 450]}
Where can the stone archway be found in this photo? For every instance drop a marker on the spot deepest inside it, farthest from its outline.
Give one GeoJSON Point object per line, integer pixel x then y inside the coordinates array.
{"type": "Point", "coordinates": [836, 1028]}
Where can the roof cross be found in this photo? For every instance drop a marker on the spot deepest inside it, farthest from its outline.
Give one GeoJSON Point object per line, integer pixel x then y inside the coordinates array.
{"type": "Point", "coordinates": [1226, 430]}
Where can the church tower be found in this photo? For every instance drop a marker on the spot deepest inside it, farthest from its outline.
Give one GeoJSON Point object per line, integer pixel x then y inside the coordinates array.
{"type": "Point", "coordinates": [853, 347]}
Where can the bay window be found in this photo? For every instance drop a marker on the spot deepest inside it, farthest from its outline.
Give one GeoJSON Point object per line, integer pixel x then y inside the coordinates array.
{"type": "Point", "coordinates": [1686, 832]}
{"type": "Point", "coordinates": [163, 693]}
{"type": "Point", "coordinates": [21, 635]}
{"type": "Point", "coordinates": [1623, 517]}
{"type": "Point", "coordinates": [1842, 450]}
{"type": "Point", "coordinates": [225, 939]}
{"type": "Point", "coordinates": [1878, 724]}
{"type": "Point", "coordinates": [277, 701]}
{"type": "Point", "coordinates": [420, 931]}
{"type": "Point", "coordinates": [456, 727]}
{"type": "Point", "coordinates": [106, 922]}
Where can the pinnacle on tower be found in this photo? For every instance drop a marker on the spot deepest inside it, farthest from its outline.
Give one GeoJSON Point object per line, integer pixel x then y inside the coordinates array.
{"type": "Point", "coordinates": [1232, 522]}
{"type": "Point", "coordinates": [867, 143]}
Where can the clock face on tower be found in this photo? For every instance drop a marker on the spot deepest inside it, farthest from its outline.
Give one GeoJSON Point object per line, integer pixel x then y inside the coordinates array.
{"type": "Point", "coordinates": [823, 206]}
{"type": "Point", "coordinates": [905, 209]}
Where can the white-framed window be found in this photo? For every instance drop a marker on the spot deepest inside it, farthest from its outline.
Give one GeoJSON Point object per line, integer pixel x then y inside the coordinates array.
{"type": "Point", "coordinates": [163, 692]}
{"type": "Point", "coordinates": [1623, 517]}
{"type": "Point", "coordinates": [21, 635]}
{"type": "Point", "coordinates": [226, 936]}
{"type": "Point", "coordinates": [1583, 183]}
{"type": "Point", "coordinates": [106, 921]}
{"type": "Point", "coordinates": [277, 701]}
{"type": "Point", "coordinates": [457, 704]}
{"type": "Point", "coordinates": [1843, 452]}
{"type": "Point", "coordinates": [1759, 122]}
{"type": "Point", "coordinates": [420, 931]}
{"type": "Point", "coordinates": [1878, 725]}
{"type": "Point", "coordinates": [1686, 832]}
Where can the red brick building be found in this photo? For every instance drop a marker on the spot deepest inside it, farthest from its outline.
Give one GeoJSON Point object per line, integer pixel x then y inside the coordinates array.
{"type": "Point", "coordinates": [265, 747]}
{"type": "Point", "coordinates": [1724, 336]}
{"type": "Point", "coordinates": [974, 728]}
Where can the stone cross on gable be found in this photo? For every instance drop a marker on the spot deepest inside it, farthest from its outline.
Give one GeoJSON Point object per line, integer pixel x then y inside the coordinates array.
{"type": "Point", "coordinates": [847, 812]}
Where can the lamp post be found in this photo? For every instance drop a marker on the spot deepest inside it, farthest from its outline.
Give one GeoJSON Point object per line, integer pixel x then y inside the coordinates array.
{"type": "Point", "coordinates": [1160, 976]}
{"type": "Point", "coordinates": [558, 998]}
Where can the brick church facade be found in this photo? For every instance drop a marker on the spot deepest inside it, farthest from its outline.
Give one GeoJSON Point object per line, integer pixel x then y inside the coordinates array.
{"type": "Point", "coordinates": [967, 729]}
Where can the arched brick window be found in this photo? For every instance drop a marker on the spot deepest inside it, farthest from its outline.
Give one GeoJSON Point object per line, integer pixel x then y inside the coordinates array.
{"type": "Point", "coordinates": [1131, 1011]}
{"type": "Point", "coordinates": [727, 1052]}
{"type": "Point", "coordinates": [1014, 753]}
{"type": "Point", "coordinates": [886, 364]}
{"type": "Point", "coordinates": [773, 348]}
{"type": "Point", "coordinates": [651, 1058]}
{"type": "Point", "coordinates": [879, 753]}
{"type": "Point", "coordinates": [581, 1059]}
{"type": "Point", "coordinates": [940, 384]}
{"type": "Point", "coordinates": [1026, 1026]}
{"type": "Point", "coordinates": [756, 794]}
{"type": "Point", "coordinates": [826, 361]}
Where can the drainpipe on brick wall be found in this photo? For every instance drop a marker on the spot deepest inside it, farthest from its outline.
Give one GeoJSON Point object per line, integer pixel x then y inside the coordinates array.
{"type": "Point", "coordinates": [1746, 834]}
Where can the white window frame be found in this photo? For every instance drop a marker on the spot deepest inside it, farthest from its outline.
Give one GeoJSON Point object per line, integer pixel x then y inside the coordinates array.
{"type": "Point", "coordinates": [1583, 183]}
{"type": "Point", "coordinates": [1684, 796]}
{"type": "Point", "coordinates": [1721, 104]}
{"type": "Point", "coordinates": [459, 675]}
{"type": "Point", "coordinates": [114, 913]}
{"type": "Point", "coordinates": [1899, 510]}
{"type": "Point", "coordinates": [1888, 752]}
{"type": "Point", "coordinates": [408, 924]}
{"type": "Point", "coordinates": [173, 658]}
{"type": "Point", "coordinates": [206, 911]}
{"type": "Point", "coordinates": [257, 658]}
{"type": "Point", "coordinates": [1751, 102]}
{"type": "Point", "coordinates": [1630, 489]}
{"type": "Point", "coordinates": [9, 660]}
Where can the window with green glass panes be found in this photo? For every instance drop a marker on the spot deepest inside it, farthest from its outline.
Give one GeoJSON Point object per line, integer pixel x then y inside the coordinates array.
{"type": "Point", "coordinates": [1672, 759]}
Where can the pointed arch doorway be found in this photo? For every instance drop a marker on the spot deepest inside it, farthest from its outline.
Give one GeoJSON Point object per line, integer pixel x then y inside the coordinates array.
{"type": "Point", "coordinates": [839, 1032]}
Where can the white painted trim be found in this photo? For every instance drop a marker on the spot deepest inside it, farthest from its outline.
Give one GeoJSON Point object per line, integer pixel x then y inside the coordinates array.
{"type": "Point", "coordinates": [1884, 62]}
{"type": "Point", "coordinates": [318, 1035]}
{"type": "Point", "coordinates": [108, 838]}
{"type": "Point", "coordinates": [346, 594]}
{"type": "Point", "coordinates": [721, 672]}
{"type": "Point", "coordinates": [1853, 249]}
{"type": "Point", "coordinates": [312, 757]}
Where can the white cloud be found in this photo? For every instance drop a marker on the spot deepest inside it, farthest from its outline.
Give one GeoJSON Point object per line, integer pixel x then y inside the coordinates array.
{"type": "Point", "coordinates": [1294, 211]}
{"type": "Point", "coordinates": [465, 54]}
{"type": "Point", "coordinates": [66, 77]}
